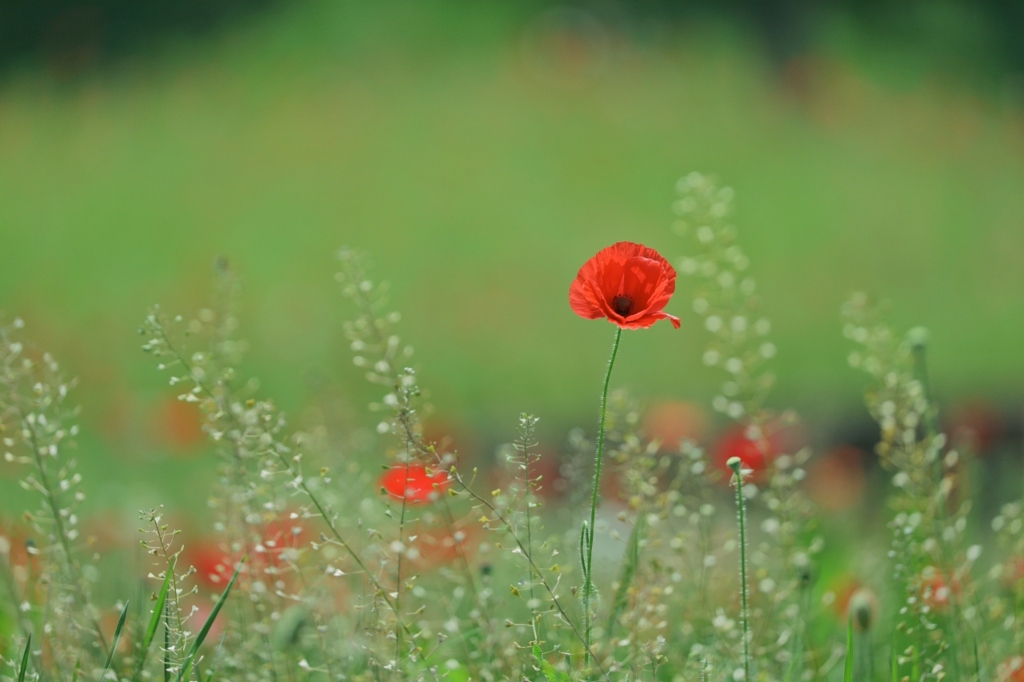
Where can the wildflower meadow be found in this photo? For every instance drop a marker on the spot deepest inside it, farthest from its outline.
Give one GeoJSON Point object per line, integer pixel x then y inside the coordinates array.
{"type": "Point", "coordinates": [660, 559]}
{"type": "Point", "coordinates": [538, 341]}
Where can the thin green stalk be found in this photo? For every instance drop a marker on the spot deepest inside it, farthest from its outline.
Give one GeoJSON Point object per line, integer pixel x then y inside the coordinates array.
{"type": "Point", "coordinates": [848, 668]}
{"type": "Point", "coordinates": [588, 583]}
{"type": "Point", "coordinates": [398, 572]}
{"type": "Point", "coordinates": [919, 345]}
{"type": "Point", "coordinates": [866, 656]}
{"type": "Point", "coordinates": [737, 466]}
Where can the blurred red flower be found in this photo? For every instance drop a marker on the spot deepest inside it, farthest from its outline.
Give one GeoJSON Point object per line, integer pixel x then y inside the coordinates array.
{"type": "Point", "coordinates": [212, 563]}
{"type": "Point", "coordinates": [627, 283]}
{"type": "Point", "coordinates": [178, 425]}
{"type": "Point", "coordinates": [1013, 572]}
{"type": "Point", "coordinates": [936, 590]}
{"type": "Point", "coordinates": [755, 454]}
{"type": "Point", "coordinates": [1011, 670]}
{"type": "Point", "coordinates": [15, 542]}
{"type": "Point", "coordinates": [414, 483]}
{"type": "Point", "coordinates": [836, 481]}
{"type": "Point", "coordinates": [215, 565]}
{"type": "Point", "coordinates": [673, 421]}
{"type": "Point", "coordinates": [975, 425]}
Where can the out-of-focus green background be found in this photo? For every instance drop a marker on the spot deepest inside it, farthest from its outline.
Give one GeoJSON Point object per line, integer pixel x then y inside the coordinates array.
{"type": "Point", "coordinates": [481, 152]}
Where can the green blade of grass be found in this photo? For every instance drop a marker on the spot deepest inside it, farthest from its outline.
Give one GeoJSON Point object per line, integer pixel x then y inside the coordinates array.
{"type": "Point", "coordinates": [848, 671]}
{"type": "Point", "coordinates": [23, 668]}
{"type": "Point", "coordinates": [117, 638]}
{"type": "Point", "coordinates": [186, 668]}
{"type": "Point", "coordinates": [158, 612]}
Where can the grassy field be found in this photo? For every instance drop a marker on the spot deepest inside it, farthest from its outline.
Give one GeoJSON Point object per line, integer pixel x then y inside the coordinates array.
{"type": "Point", "coordinates": [481, 156]}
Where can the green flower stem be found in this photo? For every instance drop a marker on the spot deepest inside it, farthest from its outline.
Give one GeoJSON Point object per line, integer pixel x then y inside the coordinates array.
{"type": "Point", "coordinates": [588, 583]}
{"type": "Point", "coordinates": [736, 464]}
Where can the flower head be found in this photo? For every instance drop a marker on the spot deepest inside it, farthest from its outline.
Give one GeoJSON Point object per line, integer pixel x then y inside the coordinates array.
{"type": "Point", "coordinates": [627, 283]}
{"type": "Point", "coordinates": [413, 482]}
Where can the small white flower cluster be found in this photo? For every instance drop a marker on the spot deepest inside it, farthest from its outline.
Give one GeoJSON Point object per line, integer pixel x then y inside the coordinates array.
{"type": "Point", "coordinates": [929, 526]}
{"type": "Point", "coordinates": [726, 296]}
{"type": "Point", "coordinates": [38, 433]}
{"type": "Point", "coordinates": [378, 349]}
{"type": "Point", "coordinates": [257, 521]}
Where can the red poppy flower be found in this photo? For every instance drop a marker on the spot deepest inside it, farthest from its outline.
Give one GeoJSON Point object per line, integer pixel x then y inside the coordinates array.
{"type": "Point", "coordinates": [414, 483]}
{"type": "Point", "coordinates": [627, 283]}
{"type": "Point", "coordinates": [755, 455]}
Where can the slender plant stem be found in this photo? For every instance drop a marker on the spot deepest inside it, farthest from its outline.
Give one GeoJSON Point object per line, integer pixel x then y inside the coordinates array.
{"type": "Point", "coordinates": [919, 347]}
{"type": "Point", "coordinates": [737, 466]}
{"type": "Point", "coordinates": [398, 570]}
{"type": "Point", "coordinates": [588, 583]}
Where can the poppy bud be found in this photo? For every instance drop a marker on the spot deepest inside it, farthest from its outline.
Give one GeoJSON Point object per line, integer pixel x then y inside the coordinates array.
{"type": "Point", "coordinates": [862, 608]}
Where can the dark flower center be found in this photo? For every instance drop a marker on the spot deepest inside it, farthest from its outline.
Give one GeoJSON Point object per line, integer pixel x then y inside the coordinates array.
{"type": "Point", "coordinates": [623, 304]}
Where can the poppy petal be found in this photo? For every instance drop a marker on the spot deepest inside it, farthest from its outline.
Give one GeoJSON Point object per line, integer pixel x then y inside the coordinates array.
{"type": "Point", "coordinates": [627, 283]}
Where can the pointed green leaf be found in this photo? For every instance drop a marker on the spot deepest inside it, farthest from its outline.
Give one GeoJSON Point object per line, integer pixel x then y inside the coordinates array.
{"type": "Point", "coordinates": [24, 659]}
{"type": "Point", "coordinates": [117, 638]}
{"type": "Point", "coordinates": [186, 668]}
{"type": "Point", "coordinates": [158, 612]}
